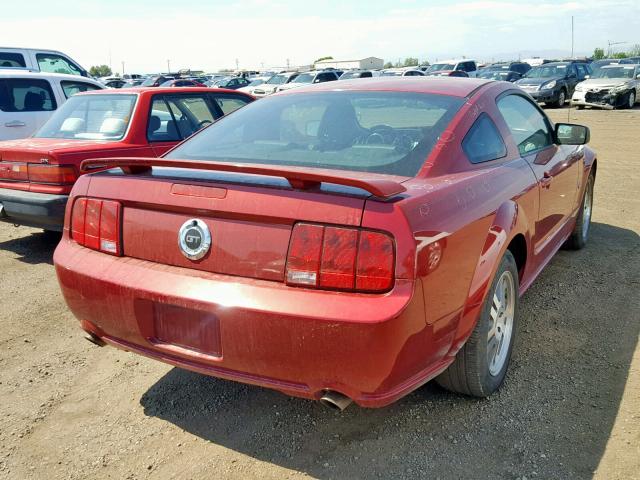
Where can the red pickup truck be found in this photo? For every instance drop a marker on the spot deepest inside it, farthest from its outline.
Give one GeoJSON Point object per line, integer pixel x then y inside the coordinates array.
{"type": "Point", "coordinates": [37, 173]}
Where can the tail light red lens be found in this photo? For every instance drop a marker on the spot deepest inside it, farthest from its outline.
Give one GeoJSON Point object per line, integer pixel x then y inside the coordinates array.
{"type": "Point", "coordinates": [95, 224]}
{"type": "Point", "coordinates": [340, 258]}
{"type": "Point", "coordinates": [14, 172]}
{"type": "Point", "coordinates": [37, 173]}
{"type": "Point", "coordinates": [54, 174]}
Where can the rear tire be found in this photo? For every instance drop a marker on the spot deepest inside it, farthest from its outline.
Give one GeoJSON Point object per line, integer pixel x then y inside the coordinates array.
{"type": "Point", "coordinates": [580, 234]}
{"type": "Point", "coordinates": [481, 364]}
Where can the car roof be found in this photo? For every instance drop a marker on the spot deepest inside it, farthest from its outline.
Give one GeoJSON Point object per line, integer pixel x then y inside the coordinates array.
{"type": "Point", "coordinates": [456, 87]}
{"type": "Point", "coordinates": [155, 90]}
{"type": "Point", "coordinates": [23, 73]}
{"type": "Point", "coordinates": [551, 64]}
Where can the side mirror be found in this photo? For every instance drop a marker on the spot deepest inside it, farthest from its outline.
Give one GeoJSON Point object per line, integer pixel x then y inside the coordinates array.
{"type": "Point", "coordinates": [638, 76]}
{"type": "Point", "coordinates": [571, 134]}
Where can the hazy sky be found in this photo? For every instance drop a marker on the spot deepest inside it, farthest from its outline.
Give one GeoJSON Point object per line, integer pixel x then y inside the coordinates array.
{"type": "Point", "coordinates": [210, 34]}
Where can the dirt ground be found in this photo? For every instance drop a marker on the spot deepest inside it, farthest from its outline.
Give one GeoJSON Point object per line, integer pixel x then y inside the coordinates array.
{"type": "Point", "coordinates": [570, 408]}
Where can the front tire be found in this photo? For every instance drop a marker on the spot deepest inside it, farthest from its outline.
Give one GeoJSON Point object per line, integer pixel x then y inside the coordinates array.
{"type": "Point", "coordinates": [580, 234]}
{"type": "Point", "coordinates": [481, 364]}
{"type": "Point", "coordinates": [630, 100]}
{"type": "Point", "coordinates": [562, 99]}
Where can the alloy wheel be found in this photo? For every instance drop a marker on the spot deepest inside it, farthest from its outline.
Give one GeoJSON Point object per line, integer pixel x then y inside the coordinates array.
{"type": "Point", "coordinates": [501, 326]}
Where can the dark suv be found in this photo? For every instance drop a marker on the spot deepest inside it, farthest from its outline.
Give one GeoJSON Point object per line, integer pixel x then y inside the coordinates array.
{"type": "Point", "coordinates": [554, 83]}
{"type": "Point", "coordinates": [505, 71]}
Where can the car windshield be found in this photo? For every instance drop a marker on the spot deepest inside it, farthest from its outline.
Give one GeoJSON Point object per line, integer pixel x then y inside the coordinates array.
{"type": "Point", "coordinates": [90, 117]}
{"type": "Point", "coordinates": [277, 80]}
{"type": "Point", "coordinates": [149, 82]}
{"type": "Point", "coordinates": [547, 71]}
{"type": "Point", "coordinates": [348, 75]}
{"type": "Point", "coordinates": [614, 72]}
{"type": "Point", "coordinates": [256, 82]}
{"type": "Point", "coordinates": [494, 74]}
{"type": "Point", "coordinates": [438, 67]}
{"type": "Point", "coordinates": [382, 132]}
{"type": "Point", "coordinates": [304, 78]}
{"type": "Point", "coordinates": [493, 68]}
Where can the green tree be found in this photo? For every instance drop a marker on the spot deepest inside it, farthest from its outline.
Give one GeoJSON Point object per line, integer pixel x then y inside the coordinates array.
{"type": "Point", "coordinates": [634, 51]}
{"type": "Point", "coordinates": [411, 62]}
{"type": "Point", "coordinates": [323, 58]}
{"type": "Point", "coordinates": [388, 65]}
{"type": "Point", "coordinates": [598, 54]}
{"type": "Point", "coordinates": [100, 71]}
{"type": "Point", "coordinates": [619, 55]}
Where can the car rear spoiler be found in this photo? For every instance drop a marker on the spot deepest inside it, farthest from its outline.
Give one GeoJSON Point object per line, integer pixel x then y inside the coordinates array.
{"type": "Point", "coordinates": [297, 177]}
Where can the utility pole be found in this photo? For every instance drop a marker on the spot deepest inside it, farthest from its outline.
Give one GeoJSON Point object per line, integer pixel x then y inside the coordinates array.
{"type": "Point", "coordinates": [572, 54]}
{"type": "Point", "coordinates": [123, 69]}
{"type": "Point", "coordinates": [287, 64]}
{"type": "Point", "coordinates": [168, 66]}
{"type": "Point", "coordinates": [611, 44]}
{"type": "Point", "coordinates": [237, 65]}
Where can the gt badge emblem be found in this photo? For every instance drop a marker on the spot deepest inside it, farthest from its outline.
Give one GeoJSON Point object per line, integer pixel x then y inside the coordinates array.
{"type": "Point", "coordinates": [194, 239]}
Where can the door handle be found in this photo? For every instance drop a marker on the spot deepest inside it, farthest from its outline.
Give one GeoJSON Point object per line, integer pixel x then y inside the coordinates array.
{"type": "Point", "coordinates": [545, 181]}
{"type": "Point", "coordinates": [15, 123]}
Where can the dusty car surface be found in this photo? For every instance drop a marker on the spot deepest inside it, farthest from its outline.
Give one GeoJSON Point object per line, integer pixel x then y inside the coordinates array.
{"type": "Point", "coordinates": [346, 241]}
{"type": "Point", "coordinates": [37, 173]}
{"type": "Point", "coordinates": [611, 86]}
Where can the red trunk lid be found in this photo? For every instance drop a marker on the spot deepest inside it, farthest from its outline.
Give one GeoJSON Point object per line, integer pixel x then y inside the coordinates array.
{"type": "Point", "coordinates": [250, 217]}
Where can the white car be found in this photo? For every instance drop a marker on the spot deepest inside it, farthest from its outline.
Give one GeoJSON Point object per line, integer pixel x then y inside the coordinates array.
{"type": "Point", "coordinates": [27, 99]}
{"type": "Point", "coordinates": [611, 86]}
{"type": "Point", "coordinates": [402, 72]}
{"type": "Point", "coordinates": [444, 68]}
{"type": "Point", "coordinates": [309, 78]}
{"type": "Point", "coordinates": [271, 85]}
{"type": "Point", "coordinates": [255, 82]}
{"type": "Point", "coordinates": [36, 60]}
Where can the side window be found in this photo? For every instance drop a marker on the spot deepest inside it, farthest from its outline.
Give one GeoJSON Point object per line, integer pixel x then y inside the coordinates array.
{"type": "Point", "coordinates": [71, 88]}
{"type": "Point", "coordinates": [26, 95]}
{"type": "Point", "coordinates": [582, 71]}
{"type": "Point", "coordinates": [483, 142]}
{"type": "Point", "coordinates": [162, 126]}
{"type": "Point", "coordinates": [191, 113]}
{"type": "Point", "coordinates": [366, 75]}
{"type": "Point", "coordinates": [51, 63]}
{"type": "Point", "coordinates": [530, 129]}
{"type": "Point", "coordinates": [325, 77]}
{"type": "Point", "coordinates": [10, 59]}
{"type": "Point", "coordinates": [229, 103]}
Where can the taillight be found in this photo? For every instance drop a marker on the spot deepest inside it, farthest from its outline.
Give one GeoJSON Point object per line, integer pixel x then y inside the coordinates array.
{"type": "Point", "coordinates": [37, 173]}
{"type": "Point", "coordinates": [14, 172]}
{"type": "Point", "coordinates": [340, 258]}
{"type": "Point", "coordinates": [95, 224]}
{"type": "Point", "coordinates": [54, 174]}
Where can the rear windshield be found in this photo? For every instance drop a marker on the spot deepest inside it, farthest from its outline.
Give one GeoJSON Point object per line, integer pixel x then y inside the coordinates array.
{"type": "Point", "coordinates": [90, 117]}
{"type": "Point", "coordinates": [382, 132]}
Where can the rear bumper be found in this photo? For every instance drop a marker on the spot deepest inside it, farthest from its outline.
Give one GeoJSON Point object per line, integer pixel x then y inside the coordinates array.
{"type": "Point", "coordinates": [372, 348]}
{"type": "Point", "coordinates": [40, 210]}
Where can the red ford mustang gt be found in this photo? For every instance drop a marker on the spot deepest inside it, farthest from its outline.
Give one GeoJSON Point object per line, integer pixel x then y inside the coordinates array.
{"type": "Point", "coordinates": [338, 242]}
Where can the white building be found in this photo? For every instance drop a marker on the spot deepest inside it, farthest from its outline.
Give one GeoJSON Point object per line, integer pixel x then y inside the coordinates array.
{"type": "Point", "coordinates": [369, 63]}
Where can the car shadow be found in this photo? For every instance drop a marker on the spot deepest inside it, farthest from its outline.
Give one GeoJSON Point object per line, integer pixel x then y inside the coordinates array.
{"type": "Point", "coordinates": [34, 248]}
{"type": "Point", "coordinates": [552, 418]}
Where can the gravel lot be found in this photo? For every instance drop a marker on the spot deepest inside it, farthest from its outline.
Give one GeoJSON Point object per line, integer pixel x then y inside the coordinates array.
{"type": "Point", "coordinates": [570, 407]}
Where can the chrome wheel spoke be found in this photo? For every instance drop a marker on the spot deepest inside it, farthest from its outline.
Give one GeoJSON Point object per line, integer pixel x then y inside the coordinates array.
{"type": "Point", "coordinates": [501, 322]}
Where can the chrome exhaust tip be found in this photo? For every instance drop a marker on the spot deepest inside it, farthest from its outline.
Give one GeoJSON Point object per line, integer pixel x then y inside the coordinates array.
{"type": "Point", "coordinates": [96, 340]}
{"type": "Point", "coordinates": [335, 400]}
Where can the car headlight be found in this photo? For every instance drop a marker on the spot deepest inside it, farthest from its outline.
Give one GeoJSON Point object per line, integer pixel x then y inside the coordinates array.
{"type": "Point", "coordinates": [549, 85]}
{"type": "Point", "coordinates": [579, 88]}
{"type": "Point", "coordinates": [619, 88]}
